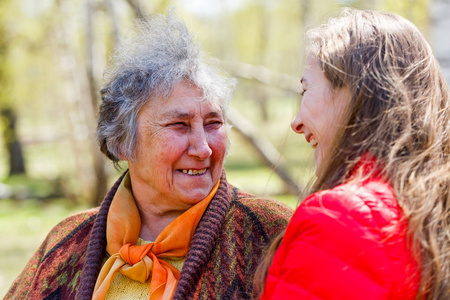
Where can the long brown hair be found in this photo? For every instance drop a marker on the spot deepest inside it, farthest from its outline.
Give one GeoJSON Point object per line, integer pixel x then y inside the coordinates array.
{"type": "Point", "coordinates": [400, 113]}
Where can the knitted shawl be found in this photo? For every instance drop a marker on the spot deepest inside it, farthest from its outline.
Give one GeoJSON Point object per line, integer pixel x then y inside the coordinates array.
{"type": "Point", "coordinates": [224, 252]}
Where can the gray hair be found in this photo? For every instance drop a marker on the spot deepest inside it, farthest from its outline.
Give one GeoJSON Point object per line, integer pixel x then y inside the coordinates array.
{"type": "Point", "coordinates": [159, 54]}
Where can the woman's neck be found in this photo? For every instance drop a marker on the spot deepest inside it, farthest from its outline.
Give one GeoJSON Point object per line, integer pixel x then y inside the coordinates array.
{"type": "Point", "coordinates": [153, 223]}
{"type": "Point", "coordinates": [156, 213]}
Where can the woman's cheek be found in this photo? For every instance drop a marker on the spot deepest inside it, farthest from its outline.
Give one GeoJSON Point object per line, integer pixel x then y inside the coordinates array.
{"type": "Point", "coordinates": [218, 141]}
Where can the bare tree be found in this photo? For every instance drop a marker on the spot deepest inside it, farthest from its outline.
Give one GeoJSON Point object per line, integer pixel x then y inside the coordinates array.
{"type": "Point", "coordinates": [111, 12]}
{"type": "Point", "coordinates": [92, 81]}
{"type": "Point", "coordinates": [7, 111]}
{"type": "Point", "coordinates": [261, 94]}
{"type": "Point", "coordinates": [137, 8]}
{"type": "Point", "coordinates": [80, 104]}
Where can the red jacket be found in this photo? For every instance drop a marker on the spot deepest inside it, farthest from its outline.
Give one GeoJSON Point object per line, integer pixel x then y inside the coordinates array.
{"type": "Point", "coordinates": [345, 243]}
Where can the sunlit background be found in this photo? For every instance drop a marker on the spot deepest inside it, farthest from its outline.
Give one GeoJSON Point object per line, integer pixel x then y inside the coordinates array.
{"type": "Point", "coordinates": [53, 53]}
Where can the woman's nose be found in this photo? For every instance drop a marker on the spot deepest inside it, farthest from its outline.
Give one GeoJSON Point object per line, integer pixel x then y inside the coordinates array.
{"type": "Point", "coordinates": [297, 124]}
{"type": "Point", "coordinates": [198, 145]}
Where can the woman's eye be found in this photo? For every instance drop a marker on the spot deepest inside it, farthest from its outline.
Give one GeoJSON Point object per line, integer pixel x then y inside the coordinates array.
{"type": "Point", "coordinates": [178, 124]}
{"type": "Point", "coordinates": [214, 124]}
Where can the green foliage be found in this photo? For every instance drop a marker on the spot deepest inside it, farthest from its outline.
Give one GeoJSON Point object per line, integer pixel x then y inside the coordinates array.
{"type": "Point", "coordinates": [416, 11]}
{"type": "Point", "coordinates": [23, 187]}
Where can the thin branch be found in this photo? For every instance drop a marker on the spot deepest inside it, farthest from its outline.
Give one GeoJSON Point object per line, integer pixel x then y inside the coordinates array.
{"type": "Point", "coordinates": [264, 75]}
{"type": "Point", "coordinates": [265, 149]}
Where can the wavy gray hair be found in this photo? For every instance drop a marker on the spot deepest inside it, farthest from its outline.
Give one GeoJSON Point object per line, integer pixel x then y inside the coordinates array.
{"type": "Point", "coordinates": [159, 54]}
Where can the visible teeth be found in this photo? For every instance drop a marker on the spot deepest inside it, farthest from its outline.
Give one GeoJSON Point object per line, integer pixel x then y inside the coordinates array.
{"type": "Point", "coordinates": [313, 143]}
{"type": "Point", "coordinates": [194, 172]}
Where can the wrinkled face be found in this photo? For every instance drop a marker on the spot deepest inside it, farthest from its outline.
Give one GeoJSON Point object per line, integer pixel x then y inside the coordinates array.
{"type": "Point", "coordinates": [321, 111]}
{"type": "Point", "coordinates": [182, 142]}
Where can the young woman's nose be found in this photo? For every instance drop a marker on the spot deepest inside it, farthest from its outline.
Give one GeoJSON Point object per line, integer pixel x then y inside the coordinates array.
{"type": "Point", "coordinates": [198, 144]}
{"type": "Point", "coordinates": [297, 124]}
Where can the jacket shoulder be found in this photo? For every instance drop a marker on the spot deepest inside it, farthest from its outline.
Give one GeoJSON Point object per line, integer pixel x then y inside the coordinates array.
{"type": "Point", "coordinates": [352, 233]}
{"type": "Point", "coordinates": [371, 203]}
{"type": "Point", "coordinates": [349, 218]}
{"type": "Point", "coordinates": [66, 226]}
{"type": "Point", "coordinates": [273, 215]}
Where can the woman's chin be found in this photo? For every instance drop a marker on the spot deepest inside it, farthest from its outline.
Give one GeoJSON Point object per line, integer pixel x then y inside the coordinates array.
{"type": "Point", "coordinates": [195, 195]}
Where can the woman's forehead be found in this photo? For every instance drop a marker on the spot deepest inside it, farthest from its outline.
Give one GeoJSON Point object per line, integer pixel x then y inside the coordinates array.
{"type": "Point", "coordinates": [313, 72]}
{"type": "Point", "coordinates": [184, 107]}
{"type": "Point", "coordinates": [182, 113]}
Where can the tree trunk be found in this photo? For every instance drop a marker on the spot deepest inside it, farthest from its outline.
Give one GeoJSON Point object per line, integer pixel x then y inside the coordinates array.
{"type": "Point", "coordinates": [12, 143]}
{"type": "Point", "coordinates": [79, 105]}
{"type": "Point", "coordinates": [261, 92]}
{"type": "Point", "coordinates": [100, 187]}
{"type": "Point", "coordinates": [16, 160]}
{"type": "Point", "coordinates": [137, 8]}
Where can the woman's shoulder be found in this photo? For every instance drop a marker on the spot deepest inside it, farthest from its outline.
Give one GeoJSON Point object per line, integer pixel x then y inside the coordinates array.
{"type": "Point", "coordinates": [265, 207]}
{"type": "Point", "coordinates": [268, 214]}
{"type": "Point", "coordinates": [69, 225]}
{"type": "Point", "coordinates": [370, 203]}
{"type": "Point", "coordinates": [359, 213]}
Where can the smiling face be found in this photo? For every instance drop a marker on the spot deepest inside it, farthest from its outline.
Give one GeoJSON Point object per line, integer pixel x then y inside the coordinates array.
{"type": "Point", "coordinates": [321, 111]}
{"type": "Point", "coordinates": [181, 146]}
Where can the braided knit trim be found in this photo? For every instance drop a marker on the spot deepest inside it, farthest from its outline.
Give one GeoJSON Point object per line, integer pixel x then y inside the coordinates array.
{"type": "Point", "coordinates": [96, 247]}
{"type": "Point", "coordinates": [204, 239]}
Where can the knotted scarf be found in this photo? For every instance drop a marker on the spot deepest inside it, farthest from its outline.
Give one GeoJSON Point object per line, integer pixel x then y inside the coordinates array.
{"type": "Point", "coordinates": [144, 261]}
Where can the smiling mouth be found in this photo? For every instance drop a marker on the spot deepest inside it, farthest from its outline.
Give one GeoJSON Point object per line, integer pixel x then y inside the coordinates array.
{"type": "Point", "coordinates": [313, 143]}
{"type": "Point", "coordinates": [194, 172]}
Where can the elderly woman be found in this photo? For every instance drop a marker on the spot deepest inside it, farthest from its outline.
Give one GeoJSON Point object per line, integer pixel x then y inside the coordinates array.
{"type": "Point", "coordinates": [376, 111]}
{"type": "Point", "coordinates": [171, 226]}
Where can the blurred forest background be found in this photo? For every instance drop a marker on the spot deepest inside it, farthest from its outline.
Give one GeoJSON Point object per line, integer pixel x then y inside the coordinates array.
{"type": "Point", "coordinates": [53, 53]}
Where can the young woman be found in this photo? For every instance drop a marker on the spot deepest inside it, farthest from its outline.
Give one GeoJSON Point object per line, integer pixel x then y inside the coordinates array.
{"type": "Point", "coordinates": [376, 110]}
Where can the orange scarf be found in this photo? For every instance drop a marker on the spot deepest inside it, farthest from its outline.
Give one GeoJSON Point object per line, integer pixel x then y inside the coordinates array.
{"type": "Point", "coordinates": [144, 261]}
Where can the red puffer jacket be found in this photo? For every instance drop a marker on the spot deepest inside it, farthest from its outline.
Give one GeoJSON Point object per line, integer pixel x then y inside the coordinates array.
{"type": "Point", "coordinates": [345, 243]}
